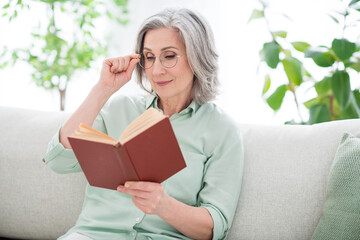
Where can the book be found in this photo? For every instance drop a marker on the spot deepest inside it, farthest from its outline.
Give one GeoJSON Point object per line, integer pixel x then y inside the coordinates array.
{"type": "Point", "coordinates": [147, 150]}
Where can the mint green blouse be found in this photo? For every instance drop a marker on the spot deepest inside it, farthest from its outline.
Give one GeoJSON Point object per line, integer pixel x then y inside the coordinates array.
{"type": "Point", "coordinates": [212, 147]}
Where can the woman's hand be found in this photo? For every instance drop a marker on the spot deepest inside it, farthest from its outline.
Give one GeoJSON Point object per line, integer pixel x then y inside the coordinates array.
{"type": "Point", "coordinates": [149, 197]}
{"type": "Point", "coordinates": [116, 72]}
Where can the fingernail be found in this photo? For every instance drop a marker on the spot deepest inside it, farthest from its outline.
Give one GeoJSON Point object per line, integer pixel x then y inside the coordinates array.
{"type": "Point", "coordinates": [127, 185]}
{"type": "Point", "coordinates": [120, 188]}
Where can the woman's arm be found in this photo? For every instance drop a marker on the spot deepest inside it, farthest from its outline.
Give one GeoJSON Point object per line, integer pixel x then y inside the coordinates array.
{"type": "Point", "coordinates": [86, 113]}
{"type": "Point", "coordinates": [115, 73]}
{"type": "Point", "coordinates": [193, 222]}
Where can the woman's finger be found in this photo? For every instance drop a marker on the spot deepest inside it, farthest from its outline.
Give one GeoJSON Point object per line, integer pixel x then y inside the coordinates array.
{"type": "Point", "coordinates": [120, 67]}
{"type": "Point", "coordinates": [122, 64]}
{"type": "Point", "coordinates": [144, 186]}
{"type": "Point", "coordinates": [131, 67]}
{"type": "Point", "coordinates": [135, 56]}
{"type": "Point", "coordinates": [126, 62]}
{"type": "Point", "coordinates": [114, 64]}
{"type": "Point", "coordinates": [135, 192]}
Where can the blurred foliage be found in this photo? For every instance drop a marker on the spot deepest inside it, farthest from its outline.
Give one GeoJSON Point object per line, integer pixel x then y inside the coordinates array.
{"type": "Point", "coordinates": [337, 96]}
{"type": "Point", "coordinates": [56, 53]}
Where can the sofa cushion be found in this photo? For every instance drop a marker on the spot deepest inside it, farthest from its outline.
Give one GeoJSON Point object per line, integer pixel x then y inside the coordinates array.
{"type": "Point", "coordinates": [35, 203]}
{"type": "Point", "coordinates": [285, 177]}
{"type": "Point", "coordinates": [341, 212]}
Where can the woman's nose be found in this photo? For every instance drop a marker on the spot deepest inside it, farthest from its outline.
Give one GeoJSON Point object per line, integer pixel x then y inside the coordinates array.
{"type": "Point", "coordinates": [158, 68]}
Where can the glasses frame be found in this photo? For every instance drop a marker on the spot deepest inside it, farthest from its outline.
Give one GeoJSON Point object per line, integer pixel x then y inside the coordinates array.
{"type": "Point", "coordinates": [161, 60]}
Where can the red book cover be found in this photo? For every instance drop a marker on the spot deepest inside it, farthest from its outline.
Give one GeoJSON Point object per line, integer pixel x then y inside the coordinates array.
{"type": "Point", "coordinates": [153, 155]}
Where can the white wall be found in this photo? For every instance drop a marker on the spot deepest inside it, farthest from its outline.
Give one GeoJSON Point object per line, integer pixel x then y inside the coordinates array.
{"type": "Point", "coordinates": [237, 41]}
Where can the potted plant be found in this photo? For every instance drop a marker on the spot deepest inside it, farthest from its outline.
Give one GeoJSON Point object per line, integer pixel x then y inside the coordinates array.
{"type": "Point", "coordinates": [55, 53]}
{"type": "Point", "coordinates": [337, 93]}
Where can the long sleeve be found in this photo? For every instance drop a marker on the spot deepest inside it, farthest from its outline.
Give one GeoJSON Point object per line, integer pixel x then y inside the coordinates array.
{"type": "Point", "coordinates": [222, 178]}
{"type": "Point", "coordinates": [62, 160]}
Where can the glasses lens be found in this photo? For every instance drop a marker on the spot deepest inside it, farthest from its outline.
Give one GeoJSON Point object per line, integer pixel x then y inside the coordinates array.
{"type": "Point", "coordinates": [168, 59]}
{"type": "Point", "coordinates": [147, 60]}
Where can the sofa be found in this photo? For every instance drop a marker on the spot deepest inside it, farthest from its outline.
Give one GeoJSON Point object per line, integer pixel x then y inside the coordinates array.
{"type": "Point", "coordinates": [282, 196]}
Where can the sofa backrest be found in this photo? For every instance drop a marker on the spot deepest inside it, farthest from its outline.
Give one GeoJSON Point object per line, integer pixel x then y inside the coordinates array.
{"type": "Point", "coordinates": [35, 203]}
{"type": "Point", "coordinates": [283, 189]}
{"type": "Point", "coordinates": [285, 176]}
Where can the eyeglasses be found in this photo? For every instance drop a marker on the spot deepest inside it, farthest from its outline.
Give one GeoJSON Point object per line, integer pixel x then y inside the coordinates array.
{"type": "Point", "coordinates": [168, 59]}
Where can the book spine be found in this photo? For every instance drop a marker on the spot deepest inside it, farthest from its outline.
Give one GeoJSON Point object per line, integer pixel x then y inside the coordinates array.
{"type": "Point", "coordinates": [126, 163]}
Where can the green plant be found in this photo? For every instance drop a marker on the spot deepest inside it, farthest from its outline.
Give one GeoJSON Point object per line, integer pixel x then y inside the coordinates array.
{"type": "Point", "coordinates": [55, 52]}
{"type": "Point", "coordinates": [337, 93]}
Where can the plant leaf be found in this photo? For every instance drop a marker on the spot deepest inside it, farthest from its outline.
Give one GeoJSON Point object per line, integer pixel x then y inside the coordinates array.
{"type": "Point", "coordinates": [308, 104]}
{"type": "Point", "coordinates": [275, 100]}
{"type": "Point", "coordinates": [293, 70]}
{"type": "Point", "coordinates": [350, 112]}
{"type": "Point", "coordinates": [306, 73]}
{"type": "Point", "coordinates": [356, 94]}
{"type": "Point", "coordinates": [271, 51]}
{"type": "Point", "coordinates": [315, 51]}
{"type": "Point", "coordinates": [321, 56]}
{"type": "Point", "coordinates": [319, 113]}
{"type": "Point", "coordinates": [340, 84]}
{"type": "Point", "coordinates": [281, 34]}
{"type": "Point", "coordinates": [353, 110]}
{"type": "Point", "coordinates": [356, 66]}
{"type": "Point", "coordinates": [256, 14]}
{"type": "Point", "coordinates": [267, 84]}
{"type": "Point", "coordinates": [334, 18]}
{"type": "Point", "coordinates": [343, 48]}
{"type": "Point", "coordinates": [353, 2]}
{"type": "Point", "coordinates": [300, 46]}
{"type": "Point", "coordinates": [323, 86]}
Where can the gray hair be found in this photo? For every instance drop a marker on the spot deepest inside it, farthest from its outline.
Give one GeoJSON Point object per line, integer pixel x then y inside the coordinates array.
{"type": "Point", "coordinates": [200, 49]}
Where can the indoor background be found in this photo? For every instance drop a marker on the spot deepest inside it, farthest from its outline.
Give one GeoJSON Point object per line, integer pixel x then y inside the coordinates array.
{"type": "Point", "coordinates": [238, 43]}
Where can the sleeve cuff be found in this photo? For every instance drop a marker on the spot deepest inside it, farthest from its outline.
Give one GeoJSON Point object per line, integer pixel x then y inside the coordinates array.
{"type": "Point", "coordinates": [60, 159]}
{"type": "Point", "coordinates": [57, 150]}
{"type": "Point", "coordinates": [218, 230]}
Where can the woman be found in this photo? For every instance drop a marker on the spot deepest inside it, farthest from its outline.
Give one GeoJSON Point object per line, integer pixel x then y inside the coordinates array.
{"type": "Point", "coordinates": [175, 52]}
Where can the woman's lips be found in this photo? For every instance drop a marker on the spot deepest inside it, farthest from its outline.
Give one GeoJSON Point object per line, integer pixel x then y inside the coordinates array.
{"type": "Point", "coordinates": [163, 83]}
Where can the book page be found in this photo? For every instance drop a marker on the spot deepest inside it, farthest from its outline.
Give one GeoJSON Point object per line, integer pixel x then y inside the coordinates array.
{"type": "Point", "coordinates": [83, 128]}
{"type": "Point", "coordinates": [141, 123]}
{"type": "Point", "coordinates": [87, 133]}
{"type": "Point", "coordinates": [93, 138]}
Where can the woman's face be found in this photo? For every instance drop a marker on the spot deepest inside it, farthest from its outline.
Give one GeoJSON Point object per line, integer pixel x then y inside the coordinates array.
{"type": "Point", "coordinates": [172, 83]}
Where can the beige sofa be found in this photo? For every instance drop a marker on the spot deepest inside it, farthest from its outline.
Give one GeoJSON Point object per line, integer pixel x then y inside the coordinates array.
{"type": "Point", "coordinates": [286, 169]}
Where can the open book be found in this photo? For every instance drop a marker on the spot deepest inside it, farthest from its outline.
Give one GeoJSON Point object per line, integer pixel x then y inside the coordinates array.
{"type": "Point", "coordinates": [147, 150]}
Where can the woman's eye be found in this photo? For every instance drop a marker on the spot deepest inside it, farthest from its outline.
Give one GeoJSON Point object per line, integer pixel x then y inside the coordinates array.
{"type": "Point", "coordinates": [170, 56]}
{"type": "Point", "coordinates": [150, 58]}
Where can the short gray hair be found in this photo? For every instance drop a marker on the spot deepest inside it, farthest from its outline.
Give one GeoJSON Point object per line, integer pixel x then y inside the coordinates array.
{"type": "Point", "coordinates": [200, 49]}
